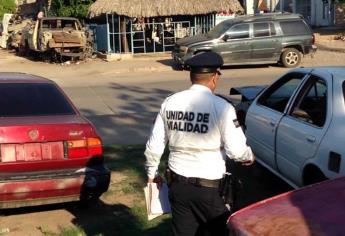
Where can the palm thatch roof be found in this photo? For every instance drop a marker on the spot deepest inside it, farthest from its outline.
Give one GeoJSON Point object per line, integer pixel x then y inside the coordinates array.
{"type": "Point", "coordinates": [155, 8]}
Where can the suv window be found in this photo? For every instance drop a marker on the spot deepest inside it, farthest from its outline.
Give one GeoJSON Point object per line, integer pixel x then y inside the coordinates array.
{"type": "Point", "coordinates": [312, 106]}
{"type": "Point", "coordinates": [261, 30]}
{"type": "Point", "coordinates": [239, 32]}
{"type": "Point", "coordinates": [32, 99]}
{"type": "Point", "coordinates": [264, 29]}
{"type": "Point", "coordinates": [272, 29]}
{"type": "Point", "coordinates": [279, 94]}
{"type": "Point", "coordinates": [219, 30]}
{"type": "Point", "coordinates": [295, 27]}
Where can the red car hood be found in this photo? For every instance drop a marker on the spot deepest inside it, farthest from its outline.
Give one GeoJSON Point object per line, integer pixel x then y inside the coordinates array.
{"type": "Point", "coordinates": [314, 210]}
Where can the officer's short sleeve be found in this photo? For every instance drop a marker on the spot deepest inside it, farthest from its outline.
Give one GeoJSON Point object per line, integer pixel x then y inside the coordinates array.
{"type": "Point", "coordinates": [156, 144]}
{"type": "Point", "coordinates": [233, 137]}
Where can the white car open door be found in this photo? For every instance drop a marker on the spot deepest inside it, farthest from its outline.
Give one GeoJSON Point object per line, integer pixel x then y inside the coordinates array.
{"type": "Point", "coordinates": [265, 114]}
{"type": "Point", "coordinates": [300, 132]}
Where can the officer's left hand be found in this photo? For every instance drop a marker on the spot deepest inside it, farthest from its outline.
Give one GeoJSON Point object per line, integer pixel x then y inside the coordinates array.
{"type": "Point", "coordinates": [158, 180]}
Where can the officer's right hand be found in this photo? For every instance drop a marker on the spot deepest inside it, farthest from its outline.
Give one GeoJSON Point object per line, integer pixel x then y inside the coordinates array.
{"type": "Point", "coordinates": [248, 163]}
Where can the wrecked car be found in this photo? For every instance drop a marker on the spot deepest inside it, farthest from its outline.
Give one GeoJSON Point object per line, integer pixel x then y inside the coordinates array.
{"type": "Point", "coordinates": [4, 30]}
{"type": "Point", "coordinates": [54, 37]}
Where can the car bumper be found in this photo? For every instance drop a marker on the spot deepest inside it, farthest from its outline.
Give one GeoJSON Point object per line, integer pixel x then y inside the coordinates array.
{"type": "Point", "coordinates": [314, 48]}
{"type": "Point", "coordinates": [180, 57]}
{"type": "Point", "coordinates": [177, 57]}
{"type": "Point", "coordinates": [310, 50]}
{"type": "Point", "coordinates": [41, 188]}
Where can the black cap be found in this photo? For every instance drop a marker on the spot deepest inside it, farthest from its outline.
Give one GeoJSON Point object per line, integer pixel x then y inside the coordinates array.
{"type": "Point", "coordinates": [205, 62]}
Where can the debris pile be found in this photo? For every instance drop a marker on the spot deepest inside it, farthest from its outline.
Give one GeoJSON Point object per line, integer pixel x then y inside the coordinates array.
{"type": "Point", "coordinates": [340, 36]}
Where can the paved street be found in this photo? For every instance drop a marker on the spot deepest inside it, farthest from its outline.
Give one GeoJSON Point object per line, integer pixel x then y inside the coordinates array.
{"type": "Point", "coordinates": [121, 98]}
{"type": "Point", "coordinates": [127, 108]}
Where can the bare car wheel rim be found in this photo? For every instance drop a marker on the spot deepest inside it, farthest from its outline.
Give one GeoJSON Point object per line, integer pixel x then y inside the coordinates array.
{"type": "Point", "coordinates": [291, 58]}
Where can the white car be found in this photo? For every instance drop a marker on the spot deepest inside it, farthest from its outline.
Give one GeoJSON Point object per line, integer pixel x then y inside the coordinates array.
{"type": "Point", "coordinates": [296, 126]}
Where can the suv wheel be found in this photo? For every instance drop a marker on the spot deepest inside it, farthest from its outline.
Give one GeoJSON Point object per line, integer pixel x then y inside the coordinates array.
{"type": "Point", "coordinates": [291, 57]}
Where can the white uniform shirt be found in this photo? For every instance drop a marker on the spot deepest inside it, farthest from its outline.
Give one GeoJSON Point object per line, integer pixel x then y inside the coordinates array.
{"type": "Point", "coordinates": [201, 129]}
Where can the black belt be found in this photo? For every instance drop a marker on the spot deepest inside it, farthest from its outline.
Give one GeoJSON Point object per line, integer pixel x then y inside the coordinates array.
{"type": "Point", "coordinates": [200, 182]}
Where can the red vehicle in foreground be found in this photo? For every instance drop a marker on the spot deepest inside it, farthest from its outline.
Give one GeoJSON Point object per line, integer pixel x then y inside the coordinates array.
{"type": "Point", "coordinates": [318, 209]}
{"type": "Point", "coordinates": [49, 153]}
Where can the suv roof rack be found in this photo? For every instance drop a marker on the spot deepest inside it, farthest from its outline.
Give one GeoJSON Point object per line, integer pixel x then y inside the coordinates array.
{"type": "Point", "coordinates": [269, 16]}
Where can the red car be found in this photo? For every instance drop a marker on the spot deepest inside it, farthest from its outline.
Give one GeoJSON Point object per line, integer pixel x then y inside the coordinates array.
{"type": "Point", "coordinates": [317, 209]}
{"type": "Point", "coordinates": [49, 153]}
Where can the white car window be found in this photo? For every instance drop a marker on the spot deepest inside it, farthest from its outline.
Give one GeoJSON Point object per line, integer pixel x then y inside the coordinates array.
{"type": "Point", "coordinates": [312, 107]}
{"type": "Point", "coordinates": [279, 93]}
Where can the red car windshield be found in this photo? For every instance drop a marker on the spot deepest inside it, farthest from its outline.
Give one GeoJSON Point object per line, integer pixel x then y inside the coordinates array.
{"type": "Point", "coordinates": [32, 99]}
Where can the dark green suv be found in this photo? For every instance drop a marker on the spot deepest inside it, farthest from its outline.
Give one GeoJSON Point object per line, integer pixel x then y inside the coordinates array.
{"type": "Point", "coordinates": [258, 39]}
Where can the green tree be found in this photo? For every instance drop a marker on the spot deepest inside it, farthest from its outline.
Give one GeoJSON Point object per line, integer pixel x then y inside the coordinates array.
{"type": "Point", "coordinates": [7, 6]}
{"type": "Point", "coordinates": [75, 8]}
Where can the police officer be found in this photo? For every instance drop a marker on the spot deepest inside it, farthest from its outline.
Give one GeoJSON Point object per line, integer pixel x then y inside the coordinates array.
{"type": "Point", "coordinates": [202, 131]}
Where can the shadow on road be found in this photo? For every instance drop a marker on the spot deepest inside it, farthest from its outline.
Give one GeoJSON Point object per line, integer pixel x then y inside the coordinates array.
{"type": "Point", "coordinates": [248, 66]}
{"type": "Point", "coordinates": [171, 63]}
{"type": "Point", "coordinates": [132, 115]}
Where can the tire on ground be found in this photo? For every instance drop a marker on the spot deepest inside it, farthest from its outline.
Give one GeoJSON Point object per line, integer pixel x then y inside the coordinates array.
{"type": "Point", "coordinates": [291, 57]}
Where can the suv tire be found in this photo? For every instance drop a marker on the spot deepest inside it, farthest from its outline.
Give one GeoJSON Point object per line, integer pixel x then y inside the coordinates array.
{"type": "Point", "coordinates": [291, 57]}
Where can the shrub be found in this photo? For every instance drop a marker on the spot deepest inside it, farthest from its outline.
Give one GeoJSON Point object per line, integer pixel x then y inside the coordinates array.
{"type": "Point", "coordinates": [7, 6]}
{"type": "Point", "coordinates": [74, 8]}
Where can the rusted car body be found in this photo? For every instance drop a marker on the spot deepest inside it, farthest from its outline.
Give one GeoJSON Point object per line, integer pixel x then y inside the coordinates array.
{"type": "Point", "coordinates": [4, 30]}
{"type": "Point", "coordinates": [318, 209]}
{"type": "Point", "coordinates": [52, 36]}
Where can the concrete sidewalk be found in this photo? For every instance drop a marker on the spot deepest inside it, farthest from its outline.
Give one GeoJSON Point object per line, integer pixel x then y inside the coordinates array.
{"type": "Point", "coordinates": [149, 62]}
{"type": "Point", "coordinates": [326, 39]}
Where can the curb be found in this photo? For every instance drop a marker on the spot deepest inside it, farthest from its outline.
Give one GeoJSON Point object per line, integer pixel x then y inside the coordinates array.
{"type": "Point", "coordinates": [329, 49]}
{"type": "Point", "coordinates": [148, 68]}
{"type": "Point", "coordinates": [144, 69]}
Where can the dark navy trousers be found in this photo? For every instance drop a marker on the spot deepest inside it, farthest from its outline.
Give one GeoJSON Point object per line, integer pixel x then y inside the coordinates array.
{"type": "Point", "coordinates": [197, 211]}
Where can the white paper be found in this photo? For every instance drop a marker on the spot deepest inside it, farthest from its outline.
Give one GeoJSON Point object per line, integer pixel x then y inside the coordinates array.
{"type": "Point", "coordinates": [157, 200]}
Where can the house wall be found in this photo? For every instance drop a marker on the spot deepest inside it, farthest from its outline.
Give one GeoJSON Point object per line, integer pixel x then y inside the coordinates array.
{"type": "Point", "coordinates": [340, 14]}
{"type": "Point", "coordinates": [250, 7]}
{"type": "Point", "coordinates": [316, 12]}
{"type": "Point", "coordinates": [148, 35]}
{"type": "Point", "coordinates": [322, 13]}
